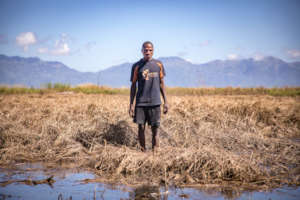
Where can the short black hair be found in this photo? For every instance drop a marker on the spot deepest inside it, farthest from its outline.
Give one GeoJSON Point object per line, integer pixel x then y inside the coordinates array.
{"type": "Point", "coordinates": [145, 43]}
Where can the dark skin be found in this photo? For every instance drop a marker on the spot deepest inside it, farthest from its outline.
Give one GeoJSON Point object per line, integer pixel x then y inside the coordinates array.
{"type": "Point", "coordinates": [147, 51]}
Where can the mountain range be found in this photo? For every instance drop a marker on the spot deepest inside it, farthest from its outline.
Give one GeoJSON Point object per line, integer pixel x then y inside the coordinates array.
{"type": "Point", "coordinates": [266, 72]}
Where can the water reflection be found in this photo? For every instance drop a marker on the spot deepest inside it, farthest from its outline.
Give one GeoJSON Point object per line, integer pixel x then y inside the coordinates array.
{"type": "Point", "coordinates": [60, 197]}
{"type": "Point", "coordinates": [69, 185]}
{"type": "Point", "coordinates": [149, 192]}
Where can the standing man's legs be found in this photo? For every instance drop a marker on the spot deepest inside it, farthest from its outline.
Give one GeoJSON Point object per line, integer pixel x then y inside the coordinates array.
{"type": "Point", "coordinates": [150, 115]}
{"type": "Point", "coordinates": [155, 123]}
{"type": "Point", "coordinates": [142, 136]}
{"type": "Point", "coordinates": [140, 119]}
{"type": "Point", "coordinates": [155, 137]}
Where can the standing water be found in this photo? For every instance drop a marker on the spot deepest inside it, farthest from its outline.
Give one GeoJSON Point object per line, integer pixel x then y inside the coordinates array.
{"type": "Point", "coordinates": [24, 182]}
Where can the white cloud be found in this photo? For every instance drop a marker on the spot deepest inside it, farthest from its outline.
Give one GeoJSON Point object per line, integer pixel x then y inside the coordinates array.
{"type": "Point", "coordinates": [43, 50]}
{"type": "Point", "coordinates": [61, 47]}
{"type": "Point", "coordinates": [189, 60]}
{"type": "Point", "coordinates": [233, 56]}
{"type": "Point", "coordinates": [294, 53]}
{"type": "Point", "coordinates": [26, 39]}
{"type": "Point", "coordinates": [258, 56]}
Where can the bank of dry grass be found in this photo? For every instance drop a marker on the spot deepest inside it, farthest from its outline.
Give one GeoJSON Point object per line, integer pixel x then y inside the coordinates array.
{"type": "Point", "coordinates": [249, 141]}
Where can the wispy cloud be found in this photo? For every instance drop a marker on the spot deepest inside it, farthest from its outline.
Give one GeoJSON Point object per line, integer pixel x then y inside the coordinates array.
{"type": "Point", "coordinates": [233, 56]}
{"type": "Point", "coordinates": [61, 47]}
{"type": "Point", "coordinates": [258, 56]}
{"type": "Point", "coordinates": [293, 53]}
{"type": "Point", "coordinates": [26, 39]}
{"type": "Point", "coordinates": [43, 50]}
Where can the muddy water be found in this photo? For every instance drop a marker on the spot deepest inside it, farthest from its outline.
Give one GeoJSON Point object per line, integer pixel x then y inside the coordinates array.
{"type": "Point", "coordinates": [69, 185]}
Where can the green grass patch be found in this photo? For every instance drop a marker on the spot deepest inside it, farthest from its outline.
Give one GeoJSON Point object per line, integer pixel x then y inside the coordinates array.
{"type": "Point", "coordinates": [94, 89]}
{"type": "Point", "coordinates": [286, 91]}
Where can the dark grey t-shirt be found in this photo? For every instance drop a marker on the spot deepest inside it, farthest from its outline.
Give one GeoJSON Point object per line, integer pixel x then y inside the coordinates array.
{"type": "Point", "coordinates": [148, 75]}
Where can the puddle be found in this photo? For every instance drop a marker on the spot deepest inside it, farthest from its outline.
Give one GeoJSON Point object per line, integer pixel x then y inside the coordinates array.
{"type": "Point", "coordinates": [69, 184]}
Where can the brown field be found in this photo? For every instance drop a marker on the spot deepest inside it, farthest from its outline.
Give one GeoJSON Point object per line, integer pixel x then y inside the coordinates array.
{"type": "Point", "coordinates": [238, 140]}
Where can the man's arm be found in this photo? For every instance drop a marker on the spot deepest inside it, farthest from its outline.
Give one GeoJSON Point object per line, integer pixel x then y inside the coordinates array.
{"type": "Point", "coordinates": [162, 86]}
{"type": "Point", "coordinates": [132, 96]}
{"type": "Point", "coordinates": [163, 93]}
{"type": "Point", "coordinates": [133, 90]}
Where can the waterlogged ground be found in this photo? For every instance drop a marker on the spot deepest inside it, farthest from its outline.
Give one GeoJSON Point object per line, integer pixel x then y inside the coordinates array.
{"type": "Point", "coordinates": [248, 140]}
{"type": "Point", "coordinates": [72, 184]}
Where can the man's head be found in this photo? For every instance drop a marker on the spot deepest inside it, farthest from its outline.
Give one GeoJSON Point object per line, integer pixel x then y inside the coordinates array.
{"type": "Point", "coordinates": [147, 50]}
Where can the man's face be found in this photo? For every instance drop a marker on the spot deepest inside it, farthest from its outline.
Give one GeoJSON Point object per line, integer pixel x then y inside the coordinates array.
{"type": "Point", "coordinates": [147, 51]}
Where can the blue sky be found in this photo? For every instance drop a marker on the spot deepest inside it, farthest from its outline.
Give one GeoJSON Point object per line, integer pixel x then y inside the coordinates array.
{"type": "Point", "coordinates": [93, 35]}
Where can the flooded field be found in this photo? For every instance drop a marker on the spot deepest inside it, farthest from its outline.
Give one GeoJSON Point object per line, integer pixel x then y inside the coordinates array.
{"type": "Point", "coordinates": [213, 147]}
{"type": "Point", "coordinates": [77, 184]}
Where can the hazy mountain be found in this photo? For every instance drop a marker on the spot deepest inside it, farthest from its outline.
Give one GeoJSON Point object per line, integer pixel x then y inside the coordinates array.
{"type": "Point", "coordinates": [267, 72]}
{"type": "Point", "coordinates": [35, 72]}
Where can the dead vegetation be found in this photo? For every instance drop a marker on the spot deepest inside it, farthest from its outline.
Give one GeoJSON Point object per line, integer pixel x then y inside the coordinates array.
{"type": "Point", "coordinates": [48, 181]}
{"type": "Point", "coordinates": [248, 141]}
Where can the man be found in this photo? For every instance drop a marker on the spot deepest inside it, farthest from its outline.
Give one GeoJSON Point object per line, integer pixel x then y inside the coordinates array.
{"type": "Point", "coordinates": [149, 74]}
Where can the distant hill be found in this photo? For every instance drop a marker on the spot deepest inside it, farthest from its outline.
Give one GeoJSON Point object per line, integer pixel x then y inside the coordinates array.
{"type": "Point", "coordinates": [267, 72]}
{"type": "Point", "coordinates": [35, 72]}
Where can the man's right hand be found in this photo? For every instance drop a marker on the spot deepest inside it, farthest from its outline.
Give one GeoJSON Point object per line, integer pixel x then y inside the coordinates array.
{"type": "Point", "coordinates": [131, 111]}
{"type": "Point", "coordinates": [165, 108]}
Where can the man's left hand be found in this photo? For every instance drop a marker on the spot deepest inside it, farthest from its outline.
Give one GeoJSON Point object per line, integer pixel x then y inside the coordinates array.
{"type": "Point", "coordinates": [131, 111]}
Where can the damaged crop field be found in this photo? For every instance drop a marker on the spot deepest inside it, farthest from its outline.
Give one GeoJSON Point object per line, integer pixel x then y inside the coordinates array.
{"type": "Point", "coordinates": [249, 141]}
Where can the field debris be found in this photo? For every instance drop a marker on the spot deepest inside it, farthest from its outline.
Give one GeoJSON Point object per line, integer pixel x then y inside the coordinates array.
{"type": "Point", "coordinates": [239, 140]}
{"type": "Point", "coordinates": [48, 181]}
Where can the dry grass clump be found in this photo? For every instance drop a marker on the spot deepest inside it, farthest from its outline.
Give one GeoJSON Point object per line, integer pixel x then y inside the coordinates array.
{"type": "Point", "coordinates": [117, 134]}
{"type": "Point", "coordinates": [247, 141]}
